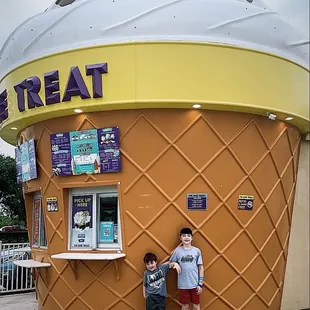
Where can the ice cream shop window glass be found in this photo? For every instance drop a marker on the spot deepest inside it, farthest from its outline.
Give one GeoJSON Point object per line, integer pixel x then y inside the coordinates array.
{"type": "Point", "coordinates": [38, 225]}
{"type": "Point", "coordinates": [108, 219]}
{"type": "Point", "coordinates": [95, 219]}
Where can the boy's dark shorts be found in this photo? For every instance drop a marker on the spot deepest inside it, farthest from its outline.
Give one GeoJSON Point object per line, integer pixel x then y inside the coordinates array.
{"type": "Point", "coordinates": [189, 296]}
{"type": "Point", "coordinates": [155, 302]}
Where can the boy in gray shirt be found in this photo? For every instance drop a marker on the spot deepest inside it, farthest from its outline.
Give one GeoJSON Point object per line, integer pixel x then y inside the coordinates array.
{"type": "Point", "coordinates": [190, 280]}
{"type": "Point", "coordinates": [154, 282]}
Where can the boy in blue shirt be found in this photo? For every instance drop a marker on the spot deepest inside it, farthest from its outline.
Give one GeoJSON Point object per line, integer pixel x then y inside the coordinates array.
{"type": "Point", "coordinates": [190, 280]}
{"type": "Point", "coordinates": [154, 282]}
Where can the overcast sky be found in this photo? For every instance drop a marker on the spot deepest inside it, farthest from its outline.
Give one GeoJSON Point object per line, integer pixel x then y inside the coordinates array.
{"type": "Point", "coordinates": [14, 12]}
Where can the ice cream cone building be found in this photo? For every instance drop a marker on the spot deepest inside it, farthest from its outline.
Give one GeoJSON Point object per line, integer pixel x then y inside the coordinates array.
{"type": "Point", "coordinates": [133, 119]}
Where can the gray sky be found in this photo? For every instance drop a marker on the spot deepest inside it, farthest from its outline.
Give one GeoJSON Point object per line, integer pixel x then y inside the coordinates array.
{"type": "Point", "coordinates": [14, 12]}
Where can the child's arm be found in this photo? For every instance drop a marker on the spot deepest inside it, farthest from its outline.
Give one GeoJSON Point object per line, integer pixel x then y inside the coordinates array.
{"type": "Point", "coordinates": [201, 277]}
{"type": "Point", "coordinates": [173, 265]}
{"type": "Point", "coordinates": [144, 284]}
{"type": "Point", "coordinates": [143, 290]}
{"type": "Point", "coordinates": [201, 274]}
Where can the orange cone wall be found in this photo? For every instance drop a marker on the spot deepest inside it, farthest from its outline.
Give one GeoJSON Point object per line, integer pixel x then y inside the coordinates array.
{"type": "Point", "coordinates": [166, 154]}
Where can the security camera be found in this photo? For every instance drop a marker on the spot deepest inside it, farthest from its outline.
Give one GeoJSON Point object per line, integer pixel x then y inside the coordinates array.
{"type": "Point", "coordinates": [271, 116]}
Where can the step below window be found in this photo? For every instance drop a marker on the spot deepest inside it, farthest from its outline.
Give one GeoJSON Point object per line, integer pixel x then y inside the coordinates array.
{"type": "Point", "coordinates": [95, 218]}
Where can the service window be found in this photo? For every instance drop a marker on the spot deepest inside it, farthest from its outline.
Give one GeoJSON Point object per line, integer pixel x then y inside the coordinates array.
{"type": "Point", "coordinates": [38, 223]}
{"type": "Point", "coordinates": [95, 218]}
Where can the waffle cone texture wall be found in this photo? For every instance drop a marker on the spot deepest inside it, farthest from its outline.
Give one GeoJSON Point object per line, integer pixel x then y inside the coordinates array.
{"type": "Point", "coordinates": [167, 153]}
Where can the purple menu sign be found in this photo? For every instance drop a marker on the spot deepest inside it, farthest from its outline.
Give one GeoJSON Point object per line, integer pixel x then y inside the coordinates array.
{"type": "Point", "coordinates": [61, 154]}
{"type": "Point", "coordinates": [108, 142]}
{"type": "Point", "coordinates": [197, 201]}
{"type": "Point", "coordinates": [18, 165]}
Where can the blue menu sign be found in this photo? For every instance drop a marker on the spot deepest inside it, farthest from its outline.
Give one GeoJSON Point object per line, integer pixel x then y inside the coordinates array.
{"type": "Point", "coordinates": [18, 165]}
{"type": "Point", "coordinates": [26, 164]}
{"type": "Point", "coordinates": [245, 202]}
{"type": "Point", "coordinates": [32, 159]}
{"type": "Point", "coordinates": [86, 152]}
{"type": "Point", "coordinates": [197, 201]}
{"type": "Point", "coordinates": [106, 232]}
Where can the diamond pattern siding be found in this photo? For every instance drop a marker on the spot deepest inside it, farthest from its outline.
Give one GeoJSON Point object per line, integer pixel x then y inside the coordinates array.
{"type": "Point", "coordinates": [166, 154]}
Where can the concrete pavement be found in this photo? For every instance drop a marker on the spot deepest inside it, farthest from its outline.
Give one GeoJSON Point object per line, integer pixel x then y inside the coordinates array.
{"type": "Point", "coordinates": [22, 301]}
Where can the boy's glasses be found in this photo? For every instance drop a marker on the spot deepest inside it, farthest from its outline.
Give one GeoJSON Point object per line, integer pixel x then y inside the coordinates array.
{"type": "Point", "coordinates": [186, 235]}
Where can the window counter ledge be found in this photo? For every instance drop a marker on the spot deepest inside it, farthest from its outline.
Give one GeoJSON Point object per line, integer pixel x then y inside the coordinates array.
{"type": "Point", "coordinates": [88, 256]}
{"type": "Point", "coordinates": [24, 249]}
{"type": "Point", "coordinates": [73, 258]}
{"type": "Point", "coordinates": [30, 263]}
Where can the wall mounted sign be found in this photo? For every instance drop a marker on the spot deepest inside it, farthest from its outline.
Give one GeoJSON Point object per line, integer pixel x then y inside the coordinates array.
{"type": "Point", "coordinates": [106, 232]}
{"type": "Point", "coordinates": [245, 202]}
{"type": "Point", "coordinates": [26, 164]}
{"type": "Point", "coordinates": [36, 221]}
{"type": "Point", "coordinates": [52, 204]}
{"type": "Point", "coordinates": [75, 86]}
{"type": "Point", "coordinates": [82, 217]}
{"type": "Point", "coordinates": [197, 201]}
{"type": "Point", "coordinates": [18, 161]}
{"type": "Point", "coordinates": [87, 151]}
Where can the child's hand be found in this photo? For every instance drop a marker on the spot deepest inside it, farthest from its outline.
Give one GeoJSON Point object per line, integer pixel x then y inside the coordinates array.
{"type": "Point", "coordinates": [199, 290]}
{"type": "Point", "coordinates": [177, 267]}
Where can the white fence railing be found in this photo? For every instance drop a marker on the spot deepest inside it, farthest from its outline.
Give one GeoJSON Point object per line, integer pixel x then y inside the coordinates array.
{"type": "Point", "coordinates": [14, 278]}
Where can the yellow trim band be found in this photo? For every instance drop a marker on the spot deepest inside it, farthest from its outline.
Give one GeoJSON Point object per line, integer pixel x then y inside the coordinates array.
{"type": "Point", "coordinates": [169, 75]}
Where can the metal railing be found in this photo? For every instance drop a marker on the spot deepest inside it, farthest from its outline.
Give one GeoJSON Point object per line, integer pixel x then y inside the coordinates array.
{"type": "Point", "coordinates": [14, 278]}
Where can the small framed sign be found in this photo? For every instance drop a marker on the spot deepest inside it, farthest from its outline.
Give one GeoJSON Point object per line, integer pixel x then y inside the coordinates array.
{"type": "Point", "coordinates": [245, 202]}
{"type": "Point", "coordinates": [52, 204]}
{"type": "Point", "coordinates": [198, 201]}
{"type": "Point", "coordinates": [106, 232]}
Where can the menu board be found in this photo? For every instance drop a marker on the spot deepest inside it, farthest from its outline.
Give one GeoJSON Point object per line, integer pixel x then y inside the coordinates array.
{"type": "Point", "coordinates": [18, 166]}
{"type": "Point", "coordinates": [26, 164]}
{"type": "Point", "coordinates": [85, 152]}
{"type": "Point", "coordinates": [61, 153]}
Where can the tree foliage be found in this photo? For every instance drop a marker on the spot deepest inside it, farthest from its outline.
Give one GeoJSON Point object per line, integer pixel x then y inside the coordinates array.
{"type": "Point", "coordinates": [12, 204]}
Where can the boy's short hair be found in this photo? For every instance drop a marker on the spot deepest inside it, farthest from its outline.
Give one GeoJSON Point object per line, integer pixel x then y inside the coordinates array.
{"type": "Point", "coordinates": [149, 257]}
{"type": "Point", "coordinates": [186, 230]}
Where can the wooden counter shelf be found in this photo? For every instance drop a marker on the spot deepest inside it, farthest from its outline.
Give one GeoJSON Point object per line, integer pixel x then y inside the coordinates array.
{"type": "Point", "coordinates": [88, 256]}
{"type": "Point", "coordinates": [72, 259]}
{"type": "Point", "coordinates": [24, 249]}
{"type": "Point", "coordinates": [30, 263]}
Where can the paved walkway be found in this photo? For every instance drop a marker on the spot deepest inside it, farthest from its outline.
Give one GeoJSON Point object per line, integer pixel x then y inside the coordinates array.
{"type": "Point", "coordinates": [18, 302]}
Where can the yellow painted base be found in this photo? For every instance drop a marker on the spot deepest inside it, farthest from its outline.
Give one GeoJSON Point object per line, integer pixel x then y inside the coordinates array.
{"type": "Point", "coordinates": [169, 75]}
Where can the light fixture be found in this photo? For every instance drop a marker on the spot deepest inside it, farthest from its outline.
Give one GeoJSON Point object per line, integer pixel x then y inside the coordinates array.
{"type": "Point", "coordinates": [78, 110]}
{"type": "Point", "coordinates": [196, 106]}
{"type": "Point", "coordinates": [271, 116]}
{"type": "Point", "coordinates": [289, 118]}
{"type": "Point", "coordinates": [14, 128]}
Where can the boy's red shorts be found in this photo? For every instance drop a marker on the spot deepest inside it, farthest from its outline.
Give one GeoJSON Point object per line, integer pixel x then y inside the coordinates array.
{"type": "Point", "coordinates": [189, 296]}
